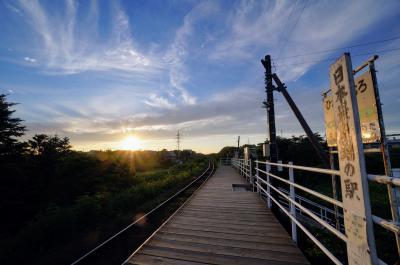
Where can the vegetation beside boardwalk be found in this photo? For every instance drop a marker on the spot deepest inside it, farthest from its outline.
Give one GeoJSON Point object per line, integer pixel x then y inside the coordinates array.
{"type": "Point", "coordinates": [52, 197]}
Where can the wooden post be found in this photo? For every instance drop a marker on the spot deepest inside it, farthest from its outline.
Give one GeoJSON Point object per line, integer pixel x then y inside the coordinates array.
{"type": "Point", "coordinates": [353, 176]}
{"type": "Point", "coordinates": [292, 206]}
{"type": "Point", "coordinates": [393, 192]}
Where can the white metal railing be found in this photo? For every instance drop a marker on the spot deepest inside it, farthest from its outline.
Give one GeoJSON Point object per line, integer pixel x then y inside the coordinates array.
{"type": "Point", "coordinates": [225, 161]}
{"type": "Point", "coordinates": [292, 204]}
{"type": "Point", "coordinates": [323, 212]}
{"type": "Point", "coordinates": [245, 168]}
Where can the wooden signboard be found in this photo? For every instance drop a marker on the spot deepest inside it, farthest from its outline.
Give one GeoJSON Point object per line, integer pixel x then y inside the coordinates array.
{"type": "Point", "coordinates": [369, 120]}
{"type": "Point", "coordinates": [330, 126]}
{"type": "Point", "coordinates": [353, 176]}
{"type": "Point", "coordinates": [367, 109]}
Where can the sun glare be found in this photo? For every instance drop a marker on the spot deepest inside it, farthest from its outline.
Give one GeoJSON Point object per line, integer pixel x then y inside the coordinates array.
{"type": "Point", "coordinates": [130, 143]}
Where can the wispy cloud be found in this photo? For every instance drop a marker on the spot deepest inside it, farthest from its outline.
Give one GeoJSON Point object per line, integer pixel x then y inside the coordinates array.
{"type": "Point", "coordinates": [159, 102]}
{"type": "Point", "coordinates": [69, 48]}
{"type": "Point", "coordinates": [29, 59]}
{"type": "Point", "coordinates": [205, 77]}
{"type": "Point", "coordinates": [257, 28]}
{"type": "Point", "coordinates": [178, 53]}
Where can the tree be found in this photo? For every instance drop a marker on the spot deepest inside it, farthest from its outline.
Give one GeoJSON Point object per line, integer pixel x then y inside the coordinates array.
{"type": "Point", "coordinates": [10, 128]}
{"type": "Point", "coordinates": [49, 146]}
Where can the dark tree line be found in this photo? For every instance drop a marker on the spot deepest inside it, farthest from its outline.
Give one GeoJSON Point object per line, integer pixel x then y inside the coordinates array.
{"type": "Point", "coordinates": [51, 195]}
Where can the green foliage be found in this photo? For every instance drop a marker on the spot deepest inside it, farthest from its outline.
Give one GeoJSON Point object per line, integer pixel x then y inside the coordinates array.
{"type": "Point", "coordinates": [52, 196]}
{"type": "Point", "coordinates": [79, 194]}
{"type": "Point", "coordinates": [10, 128]}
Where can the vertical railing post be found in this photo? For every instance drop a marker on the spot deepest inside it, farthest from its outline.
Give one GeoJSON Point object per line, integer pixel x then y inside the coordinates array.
{"type": "Point", "coordinates": [292, 206]}
{"type": "Point", "coordinates": [250, 173]}
{"type": "Point", "coordinates": [280, 168]}
{"type": "Point", "coordinates": [268, 169]}
{"type": "Point", "coordinates": [256, 178]}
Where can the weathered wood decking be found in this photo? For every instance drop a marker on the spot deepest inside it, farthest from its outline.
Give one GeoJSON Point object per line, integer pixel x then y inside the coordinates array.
{"type": "Point", "coordinates": [221, 226]}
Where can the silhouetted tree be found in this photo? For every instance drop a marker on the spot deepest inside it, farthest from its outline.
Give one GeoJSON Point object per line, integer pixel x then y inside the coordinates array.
{"type": "Point", "coordinates": [10, 128]}
{"type": "Point", "coordinates": [49, 146]}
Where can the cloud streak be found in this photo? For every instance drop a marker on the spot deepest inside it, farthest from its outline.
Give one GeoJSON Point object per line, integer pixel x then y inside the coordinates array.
{"type": "Point", "coordinates": [67, 52]}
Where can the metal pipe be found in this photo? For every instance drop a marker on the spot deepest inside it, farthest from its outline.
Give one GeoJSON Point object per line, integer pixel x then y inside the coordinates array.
{"type": "Point", "coordinates": [311, 214]}
{"type": "Point", "coordinates": [366, 63]}
{"type": "Point", "coordinates": [384, 179]}
{"type": "Point", "coordinates": [316, 194]}
{"type": "Point", "coordinates": [389, 225]}
{"type": "Point", "coordinates": [311, 169]}
{"type": "Point", "coordinates": [334, 187]}
{"type": "Point", "coordinates": [305, 230]}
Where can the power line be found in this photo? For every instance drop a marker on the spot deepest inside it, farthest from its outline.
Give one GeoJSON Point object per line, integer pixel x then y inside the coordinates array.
{"type": "Point", "coordinates": [336, 49]}
{"type": "Point", "coordinates": [290, 32]}
{"type": "Point", "coordinates": [286, 23]}
{"type": "Point", "coordinates": [334, 58]}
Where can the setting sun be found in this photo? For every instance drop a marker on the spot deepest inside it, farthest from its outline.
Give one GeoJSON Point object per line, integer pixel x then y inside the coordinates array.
{"type": "Point", "coordinates": [130, 143]}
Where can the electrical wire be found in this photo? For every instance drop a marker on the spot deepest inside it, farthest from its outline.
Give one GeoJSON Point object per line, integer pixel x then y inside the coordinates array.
{"type": "Point", "coordinates": [281, 37]}
{"type": "Point", "coordinates": [334, 58]}
{"type": "Point", "coordinates": [342, 48]}
{"type": "Point", "coordinates": [290, 32]}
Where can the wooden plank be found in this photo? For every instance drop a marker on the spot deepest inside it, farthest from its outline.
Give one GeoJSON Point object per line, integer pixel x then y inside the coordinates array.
{"type": "Point", "coordinates": [143, 259]}
{"type": "Point", "coordinates": [229, 250]}
{"type": "Point", "coordinates": [238, 231]}
{"type": "Point", "coordinates": [282, 246]}
{"type": "Point", "coordinates": [221, 226]}
{"type": "Point", "coordinates": [254, 238]}
{"type": "Point", "coordinates": [260, 227]}
{"type": "Point", "coordinates": [206, 219]}
{"type": "Point", "coordinates": [210, 258]}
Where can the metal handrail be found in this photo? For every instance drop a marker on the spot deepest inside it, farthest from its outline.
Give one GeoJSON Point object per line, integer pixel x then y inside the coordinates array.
{"type": "Point", "coordinates": [292, 213]}
{"type": "Point", "coordinates": [319, 206]}
{"type": "Point", "coordinates": [322, 209]}
{"type": "Point", "coordinates": [311, 169]}
{"type": "Point", "coordinates": [307, 211]}
{"type": "Point", "coordinates": [243, 166]}
{"type": "Point", "coordinates": [305, 230]}
{"type": "Point", "coordinates": [384, 179]}
{"type": "Point", "coordinates": [316, 194]}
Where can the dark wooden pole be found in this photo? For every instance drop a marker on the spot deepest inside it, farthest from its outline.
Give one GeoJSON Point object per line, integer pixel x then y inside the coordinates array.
{"type": "Point", "coordinates": [269, 105]}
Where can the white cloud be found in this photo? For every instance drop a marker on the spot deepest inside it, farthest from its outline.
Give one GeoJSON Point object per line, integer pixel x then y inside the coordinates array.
{"type": "Point", "coordinates": [69, 48]}
{"type": "Point", "coordinates": [159, 102]}
{"type": "Point", "coordinates": [256, 28]}
{"type": "Point", "coordinates": [12, 8]}
{"type": "Point", "coordinates": [29, 59]}
{"type": "Point", "coordinates": [178, 51]}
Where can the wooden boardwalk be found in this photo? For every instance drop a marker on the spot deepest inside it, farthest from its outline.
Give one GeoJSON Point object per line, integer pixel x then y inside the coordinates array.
{"type": "Point", "coordinates": [221, 226]}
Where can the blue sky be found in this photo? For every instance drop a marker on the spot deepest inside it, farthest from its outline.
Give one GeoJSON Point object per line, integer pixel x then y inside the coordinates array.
{"type": "Point", "coordinates": [99, 71]}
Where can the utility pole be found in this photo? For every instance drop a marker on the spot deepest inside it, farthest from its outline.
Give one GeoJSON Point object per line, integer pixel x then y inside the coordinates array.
{"type": "Point", "coordinates": [269, 105]}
